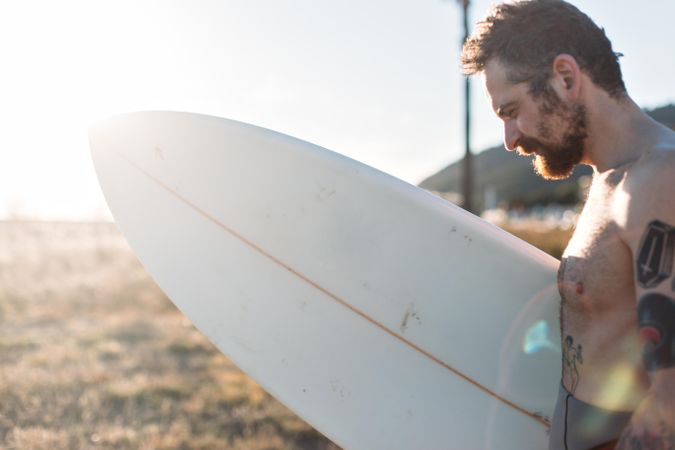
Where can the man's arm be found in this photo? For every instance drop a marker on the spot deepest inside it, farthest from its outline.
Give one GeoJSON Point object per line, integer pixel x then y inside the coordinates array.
{"type": "Point", "coordinates": [651, 237]}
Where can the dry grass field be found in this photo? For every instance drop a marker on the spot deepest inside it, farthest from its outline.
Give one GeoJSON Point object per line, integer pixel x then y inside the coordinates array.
{"type": "Point", "coordinates": [551, 240]}
{"type": "Point", "coordinates": [94, 356]}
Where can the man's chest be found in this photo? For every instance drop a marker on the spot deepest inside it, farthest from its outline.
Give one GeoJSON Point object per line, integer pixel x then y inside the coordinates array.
{"type": "Point", "coordinates": [598, 317]}
{"type": "Point", "coordinates": [596, 273]}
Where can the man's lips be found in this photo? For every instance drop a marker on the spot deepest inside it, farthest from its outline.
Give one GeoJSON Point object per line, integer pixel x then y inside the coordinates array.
{"type": "Point", "coordinates": [529, 147]}
{"type": "Point", "coordinates": [526, 151]}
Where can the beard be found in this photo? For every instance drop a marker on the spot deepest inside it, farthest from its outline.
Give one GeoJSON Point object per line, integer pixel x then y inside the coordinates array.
{"type": "Point", "coordinates": [556, 160]}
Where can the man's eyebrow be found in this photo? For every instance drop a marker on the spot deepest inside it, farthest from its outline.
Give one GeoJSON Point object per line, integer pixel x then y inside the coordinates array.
{"type": "Point", "coordinates": [501, 108]}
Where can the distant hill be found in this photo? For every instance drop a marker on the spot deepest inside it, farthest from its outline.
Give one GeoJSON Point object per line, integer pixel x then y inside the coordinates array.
{"type": "Point", "coordinates": [513, 180]}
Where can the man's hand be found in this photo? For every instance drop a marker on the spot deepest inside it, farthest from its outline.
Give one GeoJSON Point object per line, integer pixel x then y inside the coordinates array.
{"type": "Point", "coordinates": [652, 426]}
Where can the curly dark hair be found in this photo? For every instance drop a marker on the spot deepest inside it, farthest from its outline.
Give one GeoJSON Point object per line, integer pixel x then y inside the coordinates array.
{"type": "Point", "coordinates": [526, 36]}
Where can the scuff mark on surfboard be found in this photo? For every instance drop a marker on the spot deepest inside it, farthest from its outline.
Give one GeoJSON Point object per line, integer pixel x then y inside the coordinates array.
{"type": "Point", "coordinates": [243, 313]}
{"type": "Point", "coordinates": [159, 153]}
{"type": "Point", "coordinates": [410, 313]}
{"type": "Point", "coordinates": [337, 388]}
{"type": "Point", "coordinates": [324, 193]}
{"type": "Point", "coordinates": [543, 416]}
{"type": "Point", "coordinates": [404, 322]}
{"type": "Point", "coordinates": [245, 345]}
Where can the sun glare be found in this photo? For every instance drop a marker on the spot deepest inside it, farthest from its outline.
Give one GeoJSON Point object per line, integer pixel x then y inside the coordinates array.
{"type": "Point", "coordinates": [74, 63]}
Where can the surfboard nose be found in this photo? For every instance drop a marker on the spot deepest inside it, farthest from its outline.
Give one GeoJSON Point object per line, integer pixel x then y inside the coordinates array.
{"type": "Point", "coordinates": [338, 287]}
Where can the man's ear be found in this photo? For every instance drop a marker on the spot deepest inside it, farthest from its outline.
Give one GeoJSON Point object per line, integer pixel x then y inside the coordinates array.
{"type": "Point", "coordinates": [566, 79]}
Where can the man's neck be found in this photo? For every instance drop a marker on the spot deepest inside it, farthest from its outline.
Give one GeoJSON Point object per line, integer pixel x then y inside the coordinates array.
{"type": "Point", "coordinates": [619, 132]}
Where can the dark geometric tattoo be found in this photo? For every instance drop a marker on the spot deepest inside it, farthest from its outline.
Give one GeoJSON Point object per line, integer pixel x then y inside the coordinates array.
{"type": "Point", "coordinates": [571, 357]}
{"type": "Point", "coordinates": [656, 316]}
{"type": "Point", "coordinates": [654, 261]}
{"type": "Point", "coordinates": [661, 439]}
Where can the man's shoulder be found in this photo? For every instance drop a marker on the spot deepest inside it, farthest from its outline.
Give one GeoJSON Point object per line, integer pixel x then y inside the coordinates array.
{"type": "Point", "coordinates": [649, 187]}
{"type": "Point", "coordinates": [654, 169]}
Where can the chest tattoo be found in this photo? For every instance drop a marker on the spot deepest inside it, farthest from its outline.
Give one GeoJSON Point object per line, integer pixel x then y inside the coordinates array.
{"type": "Point", "coordinates": [572, 357]}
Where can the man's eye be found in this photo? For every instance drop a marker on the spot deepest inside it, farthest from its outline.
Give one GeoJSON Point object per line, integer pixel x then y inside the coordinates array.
{"type": "Point", "coordinates": [508, 114]}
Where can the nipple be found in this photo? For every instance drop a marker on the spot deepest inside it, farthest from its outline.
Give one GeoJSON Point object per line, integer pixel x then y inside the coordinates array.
{"type": "Point", "coordinates": [580, 288]}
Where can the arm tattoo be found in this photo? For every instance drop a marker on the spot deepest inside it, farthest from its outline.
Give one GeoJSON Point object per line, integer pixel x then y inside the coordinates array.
{"type": "Point", "coordinates": [656, 315]}
{"type": "Point", "coordinates": [656, 312]}
{"type": "Point", "coordinates": [654, 261]}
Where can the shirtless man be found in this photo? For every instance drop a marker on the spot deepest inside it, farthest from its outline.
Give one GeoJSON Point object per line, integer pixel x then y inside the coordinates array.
{"type": "Point", "coordinates": [555, 82]}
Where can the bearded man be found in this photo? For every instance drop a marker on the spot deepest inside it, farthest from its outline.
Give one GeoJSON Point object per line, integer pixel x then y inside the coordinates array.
{"type": "Point", "coordinates": [554, 80]}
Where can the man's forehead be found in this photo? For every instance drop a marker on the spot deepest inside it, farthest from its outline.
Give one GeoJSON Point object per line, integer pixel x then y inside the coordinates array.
{"type": "Point", "coordinates": [495, 73]}
{"type": "Point", "coordinates": [499, 88]}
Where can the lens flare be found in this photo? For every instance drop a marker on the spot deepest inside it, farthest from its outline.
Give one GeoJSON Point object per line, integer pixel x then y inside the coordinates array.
{"type": "Point", "coordinates": [621, 390]}
{"type": "Point", "coordinates": [537, 339]}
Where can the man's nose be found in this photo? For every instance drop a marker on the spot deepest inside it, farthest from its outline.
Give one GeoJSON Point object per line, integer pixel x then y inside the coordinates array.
{"type": "Point", "coordinates": [511, 135]}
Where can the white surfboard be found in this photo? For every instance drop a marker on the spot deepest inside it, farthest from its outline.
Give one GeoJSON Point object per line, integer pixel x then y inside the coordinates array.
{"type": "Point", "coordinates": [384, 316]}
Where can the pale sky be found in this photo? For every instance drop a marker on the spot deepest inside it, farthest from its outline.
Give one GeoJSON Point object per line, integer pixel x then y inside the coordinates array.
{"type": "Point", "coordinates": [376, 80]}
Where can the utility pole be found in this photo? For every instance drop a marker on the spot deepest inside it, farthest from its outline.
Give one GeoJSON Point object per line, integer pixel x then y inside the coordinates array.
{"type": "Point", "coordinates": [467, 175]}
